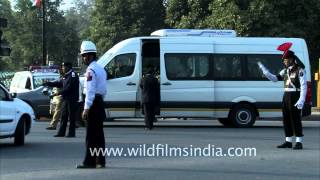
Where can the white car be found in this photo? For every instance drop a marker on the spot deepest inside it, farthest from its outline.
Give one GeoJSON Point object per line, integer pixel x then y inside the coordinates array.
{"type": "Point", "coordinates": [16, 117]}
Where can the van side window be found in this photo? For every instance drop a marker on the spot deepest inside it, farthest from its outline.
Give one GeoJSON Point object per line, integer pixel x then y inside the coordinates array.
{"type": "Point", "coordinates": [272, 61]}
{"type": "Point", "coordinates": [227, 67]}
{"type": "Point", "coordinates": [121, 66]}
{"type": "Point", "coordinates": [187, 66]}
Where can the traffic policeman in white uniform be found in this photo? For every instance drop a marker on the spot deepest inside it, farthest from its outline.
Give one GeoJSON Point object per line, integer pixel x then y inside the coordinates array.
{"type": "Point", "coordinates": [93, 113]}
{"type": "Point", "coordinates": [295, 90]}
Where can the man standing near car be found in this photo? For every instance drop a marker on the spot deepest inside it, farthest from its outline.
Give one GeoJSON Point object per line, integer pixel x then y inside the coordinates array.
{"type": "Point", "coordinates": [93, 113]}
{"type": "Point", "coordinates": [295, 87]}
{"type": "Point", "coordinates": [69, 85]}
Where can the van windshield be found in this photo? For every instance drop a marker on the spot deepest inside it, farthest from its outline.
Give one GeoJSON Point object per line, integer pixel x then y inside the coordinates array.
{"type": "Point", "coordinates": [39, 80]}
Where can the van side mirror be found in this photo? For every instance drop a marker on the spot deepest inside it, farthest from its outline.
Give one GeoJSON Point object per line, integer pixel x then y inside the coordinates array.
{"type": "Point", "coordinates": [45, 91]}
{"type": "Point", "coordinates": [13, 95]}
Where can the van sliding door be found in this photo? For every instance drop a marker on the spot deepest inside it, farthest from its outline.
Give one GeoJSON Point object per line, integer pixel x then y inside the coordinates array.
{"type": "Point", "coordinates": [186, 85]}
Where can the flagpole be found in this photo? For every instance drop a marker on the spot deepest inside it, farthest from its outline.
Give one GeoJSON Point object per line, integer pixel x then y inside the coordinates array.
{"type": "Point", "coordinates": [44, 43]}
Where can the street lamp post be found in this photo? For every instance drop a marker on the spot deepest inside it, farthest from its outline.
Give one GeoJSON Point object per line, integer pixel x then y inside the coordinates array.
{"type": "Point", "coordinates": [44, 42]}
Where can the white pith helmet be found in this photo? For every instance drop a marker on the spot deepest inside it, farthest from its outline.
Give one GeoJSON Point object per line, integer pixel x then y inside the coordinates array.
{"type": "Point", "coordinates": [87, 47]}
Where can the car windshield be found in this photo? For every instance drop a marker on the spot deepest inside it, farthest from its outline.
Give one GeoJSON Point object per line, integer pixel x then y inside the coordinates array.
{"type": "Point", "coordinates": [39, 80]}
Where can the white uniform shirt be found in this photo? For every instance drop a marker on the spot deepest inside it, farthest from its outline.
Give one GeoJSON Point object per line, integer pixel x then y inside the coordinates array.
{"type": "Point", "coordinates": [95, 83]}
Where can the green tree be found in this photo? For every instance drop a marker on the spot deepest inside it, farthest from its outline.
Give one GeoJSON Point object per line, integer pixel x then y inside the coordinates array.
{"type": "Point", "coordinates": [5, 12]}
{"type": "Point", "coordinates": [263, 18]}
{"type": "Point", "coordinates": [25, 35]}
{"type": "Point", "coordinates": [80, 17]}
{"type": "Point", "coordinates": [270, 18]}
{"type": "Point", "coordinates": [187, 13]}
{"type": "Point", "coordinates": [115, 20]}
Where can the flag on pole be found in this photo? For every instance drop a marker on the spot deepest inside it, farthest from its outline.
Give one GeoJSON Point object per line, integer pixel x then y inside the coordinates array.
{"type": "Point", "coordinates": [37, 3]}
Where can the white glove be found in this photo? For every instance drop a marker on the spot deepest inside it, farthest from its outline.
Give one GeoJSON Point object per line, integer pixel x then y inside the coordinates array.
{"type": "Point", "coordinates": [299, 104]}
{"type": "Point", "coordinates": [261, 66]}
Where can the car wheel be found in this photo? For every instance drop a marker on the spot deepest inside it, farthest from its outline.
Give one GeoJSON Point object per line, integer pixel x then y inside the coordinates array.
{"type": "Point", "coordinates": [20, 132]}
{"type": "Point", "coordinates": [242, 115]}
{"type": "Point", "coordinates": [225, 122]}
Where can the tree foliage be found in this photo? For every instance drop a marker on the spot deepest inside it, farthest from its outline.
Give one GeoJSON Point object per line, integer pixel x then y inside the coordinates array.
{"type": "Point", "coordinates": [108, 22]}
{"type": "Point", "coordinates": [263, 18]}
{"type": "Point", "coordinates": [24, 33]}
{"type": "Point", "coordinates": [115, 20]}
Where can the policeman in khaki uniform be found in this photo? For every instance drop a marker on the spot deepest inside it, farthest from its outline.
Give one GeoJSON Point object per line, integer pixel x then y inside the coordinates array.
{"type": "Point", "coordinates": [93, 113]}
{"type": "Point", "coordinates": [55, 109]}
{"type": "Point", "coordinates": [295, 90]}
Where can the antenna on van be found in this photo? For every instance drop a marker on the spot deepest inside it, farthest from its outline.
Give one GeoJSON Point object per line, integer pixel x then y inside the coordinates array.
{"type": "Point", "coordinates": [195, 32]}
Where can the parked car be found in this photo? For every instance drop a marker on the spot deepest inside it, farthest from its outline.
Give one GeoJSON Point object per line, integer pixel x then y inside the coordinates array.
{"type": "Point", "coordinates": [16, 117]}
{"type": "Point", "coordinates": [28, 86]}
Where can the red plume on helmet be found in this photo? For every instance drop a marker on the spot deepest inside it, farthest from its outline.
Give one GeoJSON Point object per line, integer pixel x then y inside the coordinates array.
{"type": "Point", "coordinates": [285, 48]}
{"type": "Point", "coordinates": [289, 54]}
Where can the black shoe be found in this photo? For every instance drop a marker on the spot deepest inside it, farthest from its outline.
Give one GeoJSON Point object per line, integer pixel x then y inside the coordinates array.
{"type": "Point", "coordinates": [285, 145]}
{"type": "Point", "coordinates": [83, 166]}
{"type": "Point", "coordinates": [71, 136]}
{"type": "Point", "coordinates": [298, 146]}
{"type": "Point", "coordinates": [51, 128]}
{"type": "Point", "coordinates": [58, 135]}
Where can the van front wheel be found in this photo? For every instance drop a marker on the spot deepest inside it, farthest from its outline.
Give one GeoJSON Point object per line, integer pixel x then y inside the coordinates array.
{"type": "Point", "coordinates": [242, 116]}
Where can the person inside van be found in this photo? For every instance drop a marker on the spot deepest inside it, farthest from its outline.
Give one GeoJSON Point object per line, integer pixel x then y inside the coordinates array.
{"type": "Point", "coordinates": [122, 69]}
{"type": "Point", "coordinates": [183, 70]}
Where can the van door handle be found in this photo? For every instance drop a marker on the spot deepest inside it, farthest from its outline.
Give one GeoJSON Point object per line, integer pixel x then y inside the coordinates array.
{"type": "Point", "coordinates": [131, 84]}
{"type": "Point", "coordinates": [166, 84]}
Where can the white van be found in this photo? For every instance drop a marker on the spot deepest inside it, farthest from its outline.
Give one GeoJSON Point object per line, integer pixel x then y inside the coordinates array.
{"type": "Point", "coordinates": [201, 74]}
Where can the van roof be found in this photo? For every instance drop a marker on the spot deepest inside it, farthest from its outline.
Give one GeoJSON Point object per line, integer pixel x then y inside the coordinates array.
{"type": "Point", "coordinates": [38, 73]}
{"type": "Point", "coordinates": [195, 32]}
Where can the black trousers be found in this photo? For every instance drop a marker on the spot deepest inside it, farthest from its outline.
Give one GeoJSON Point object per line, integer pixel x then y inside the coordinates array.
{"type": "Point", "coordinates": [291, 115]}
{"type": "Point", "coordinates": [68, 113]}
{"type": "Point", "coordinates": [149, 114]}
{"type": "Point", "coordinates": [95, 134]}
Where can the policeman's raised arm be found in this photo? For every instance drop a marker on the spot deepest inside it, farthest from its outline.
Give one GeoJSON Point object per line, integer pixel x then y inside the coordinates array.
{"type": "Point", "coordinates": [56, 83]}
{"type": "Point", "coordinates": [266, 72]}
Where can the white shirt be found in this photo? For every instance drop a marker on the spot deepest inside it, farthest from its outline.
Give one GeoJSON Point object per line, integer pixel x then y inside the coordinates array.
{"type": "Point", "coordinates": [95, 83]}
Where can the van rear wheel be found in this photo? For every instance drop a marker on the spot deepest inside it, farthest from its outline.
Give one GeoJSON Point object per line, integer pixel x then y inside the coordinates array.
{"type": "Point", "coordinates": [242, 116]}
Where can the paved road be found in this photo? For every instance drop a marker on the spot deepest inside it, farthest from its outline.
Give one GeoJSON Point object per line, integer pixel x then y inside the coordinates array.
{"type": "Point", "coordinates": [46, 157]}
